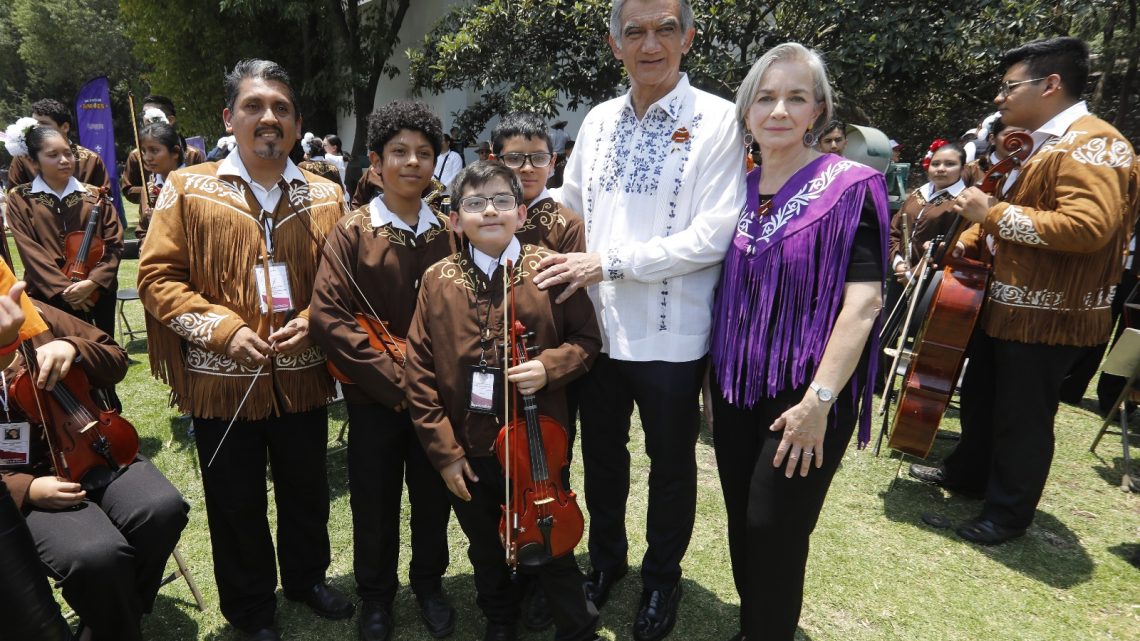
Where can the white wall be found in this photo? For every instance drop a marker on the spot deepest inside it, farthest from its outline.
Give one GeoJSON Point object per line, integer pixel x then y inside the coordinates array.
{"type": "Point", "coordinates": [421, 17]}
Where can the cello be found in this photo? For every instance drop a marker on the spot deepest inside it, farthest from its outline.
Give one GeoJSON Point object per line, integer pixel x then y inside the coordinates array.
{"type": "Point", "coordinates": [941, 342]}
{"type": "Point", "coordinates": [541, 519]}
{"type": "Point", "coordinates": [84, 249]}
{"type": "Point", "coordinates": [89, 445]}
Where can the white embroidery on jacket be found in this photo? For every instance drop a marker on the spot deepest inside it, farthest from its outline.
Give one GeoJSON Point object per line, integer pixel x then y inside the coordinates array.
{"type": "Point", "coordinates": [197, 328]}
{"type": "Point", "coordinates": [806, 194]}
{"type": "Point", "coordinates": [1021, 296]}
{"type": "Point", "coordinates": [1017, 227]}
{"type": "Point", "coordinates": [1099, 153]}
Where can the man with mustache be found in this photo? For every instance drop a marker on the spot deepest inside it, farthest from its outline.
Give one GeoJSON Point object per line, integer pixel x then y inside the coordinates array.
{"type": "Point", "coordinates": [225, 276]}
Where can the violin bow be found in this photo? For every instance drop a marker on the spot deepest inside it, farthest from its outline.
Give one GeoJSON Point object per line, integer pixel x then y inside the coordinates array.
{"type": "Point", "coordinates": [508, 345]}
{"type": "Point", "coordinates": [144, 197]}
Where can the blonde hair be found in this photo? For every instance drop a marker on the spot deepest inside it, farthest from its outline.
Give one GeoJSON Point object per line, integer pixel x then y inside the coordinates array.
{"type": "Point", "coordinates": [787, 52]}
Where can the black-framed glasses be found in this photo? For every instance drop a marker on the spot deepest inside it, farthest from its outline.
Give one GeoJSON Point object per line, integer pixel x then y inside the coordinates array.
{"type": "Point", "coordinates": [1006, 86]}
{"type": "Point", "coordinates": [478, 204]}
{"type": "Point", "coordinates": [516, 160]}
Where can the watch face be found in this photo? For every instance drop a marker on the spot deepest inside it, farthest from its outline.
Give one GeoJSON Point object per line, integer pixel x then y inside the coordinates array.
{"type": "Point", "coordinates": [824, 394]}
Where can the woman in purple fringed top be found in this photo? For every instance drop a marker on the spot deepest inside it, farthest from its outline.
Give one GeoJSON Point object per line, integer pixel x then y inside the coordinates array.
{"type": "Point", "coordinates": [794, 325]}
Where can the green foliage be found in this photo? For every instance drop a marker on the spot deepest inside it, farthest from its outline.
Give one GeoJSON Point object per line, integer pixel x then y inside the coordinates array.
{"type": "Point", "coordinates": [917, 69]}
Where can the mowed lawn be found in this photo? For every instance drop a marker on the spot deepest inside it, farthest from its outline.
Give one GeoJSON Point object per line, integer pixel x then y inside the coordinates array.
{"type": "Point", "coordinates": [876, 571]}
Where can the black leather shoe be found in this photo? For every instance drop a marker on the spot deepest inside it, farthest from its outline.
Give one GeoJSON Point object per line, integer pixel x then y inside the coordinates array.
{"type": "Point", "coordinates": [985, 532]}
{"type": "Point", "coordinates": [437, 614]}
{"type": "Point", "coordinates": [739, 636]}
{"type": "Point", "coordinates": [600, 583]}
{"type": "Point", "coordinates": [927, 474]}
{"type": "Point", "coordinates": [657, 614]}
{"type": "Point", "coordinates": [375, 623]}
{"type": "Point", "coordinates": [500, 632]}
{"type": "Point", "coordinates": [537, 616]}
{"type": "Point", "coordinates": [264, 634]}
{"type": "Point", "coordinates": [326, 602]}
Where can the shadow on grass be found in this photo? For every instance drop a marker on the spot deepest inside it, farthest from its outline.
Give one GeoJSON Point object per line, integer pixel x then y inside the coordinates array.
{"type": "Point", "coordinates": [169, 619]}
{"type": "Point", "coordinates": [1128, 551]}
{"type": "Point", "coordinates": [1050, 552]}
{"type": "Point", "coordinates": [1113, 473]}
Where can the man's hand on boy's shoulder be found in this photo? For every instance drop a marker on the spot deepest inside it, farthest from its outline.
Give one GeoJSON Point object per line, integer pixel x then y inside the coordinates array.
{"type": "Point", "coordinates": [576, 270]}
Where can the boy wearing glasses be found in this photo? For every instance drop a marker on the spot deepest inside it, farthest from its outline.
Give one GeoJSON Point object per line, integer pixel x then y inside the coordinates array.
{"type": "Point", "coordinates": [522, 143]}
{"type": "Point", "coordinates": [372, 264]}
{"type": "Point", "coordinates": [454, 379]}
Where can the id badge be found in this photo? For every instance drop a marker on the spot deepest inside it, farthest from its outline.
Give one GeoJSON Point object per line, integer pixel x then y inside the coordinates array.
{"type": "Point", "coordinates": [484, 389]}
{"type": "Point", "coordinates": [15, 439]}
{"type": "Point", "coordinates": [280, 294]}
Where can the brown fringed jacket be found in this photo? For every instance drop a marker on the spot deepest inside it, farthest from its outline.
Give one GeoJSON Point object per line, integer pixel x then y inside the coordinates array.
{"type": "Point", "coordinates": [196, 281]}
{"type": "Point", "coordinates": [1059, 239]}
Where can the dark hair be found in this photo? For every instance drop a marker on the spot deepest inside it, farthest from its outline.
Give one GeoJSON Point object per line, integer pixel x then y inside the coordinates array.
{"type": "Point", "coordinates": [54, 109]}
{"type": "Point", "coordinates": [260, 70]}
{"type": "Point", "coordinates": [36, 137]}
{"type": "Point", "coordinates": [1066, 57]}
{"type": "Point", "coordinates": [832, 126]}
{"type": "Point", "coordinates": [334, 140]}
{"type": "Point", "coordinates": [163, 103]}
{"type": "Point", "coordinates": [953, 146]}
{"type": "Point", "coordinates": [996, 127]}
{"type": "Point", "coordinates": [316, 148]}
{"type": "Point", "coordinates": [480, 173]}
{"type": "Point", "coordinates": [398, 115]}
{"type": "Point", "coordinates": [165, 135]}
{"type": "Point", "coordinates": [520, 123]}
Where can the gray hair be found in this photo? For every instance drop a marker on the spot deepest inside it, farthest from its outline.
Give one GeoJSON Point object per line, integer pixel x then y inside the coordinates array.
{"type": "Point", "coordinates": [787, 52]}
{"type": "Point", "coordinates": [260, 70]}
{"type": "Point", "coordinates": [685, 6]}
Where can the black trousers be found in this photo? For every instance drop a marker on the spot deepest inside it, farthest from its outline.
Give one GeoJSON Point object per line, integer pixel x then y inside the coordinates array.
{"type": "Point", "coordinates": [31, 613]}
{"type": "Point", "coordinates": [383, 451]}
{"type": "Point", "coordinates": [102, 315]}
{"type": "Point", "coordinates": [1009, 400]}
{"type": "Point", "coordinates": [1109, 386]}
{"type": "Point", "coordinates": [109, 553]}
{"type": "Point", "coordinates": [667, 397]}
{"type": "Point", "coordinates": [575, 618]}
{"type": "Point", "coordinates": [294, 445]}
{"type": "Point", "coordinates": [771, 517]}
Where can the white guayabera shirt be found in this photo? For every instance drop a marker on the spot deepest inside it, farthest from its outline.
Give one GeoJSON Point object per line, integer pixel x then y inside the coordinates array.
{"type": "Point", "coordinates": [660, 198]}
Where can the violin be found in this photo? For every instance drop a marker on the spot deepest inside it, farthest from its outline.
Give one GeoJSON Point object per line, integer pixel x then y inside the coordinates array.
{"type": "Point", "coordinates": [380, 339]}
{"type": "Point", "coordinates": [541, 519]}
{"type": "Point", "coordinates": [89, 445]}
{"type": "Point", "coordinates": [84, 249]}
{"type": "Point", "coordinates": [940, 346]}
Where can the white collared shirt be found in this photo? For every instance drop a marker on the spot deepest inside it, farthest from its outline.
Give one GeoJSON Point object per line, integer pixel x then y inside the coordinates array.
{"type": "Point", "coordinates": [660, 198]}
{"type": "Point", "coordinates": [487, 263]}
{"type": "Point", "coordinates": [381, 216]}
{"type": "Point", "coordinates": [447, 166]}
{"type": "Point", "coordinates": [232, 165]}
{"type": "Point", "coordinates": [928, 193]}
{"type": "Point", "coordinates": [1055, 127]}
{"type": "Point", "coordinates": [40, 185]}
{"type": "Point", "coordinates": [159, 180]}
{"type": "Point", "coordinates": [545, 194]}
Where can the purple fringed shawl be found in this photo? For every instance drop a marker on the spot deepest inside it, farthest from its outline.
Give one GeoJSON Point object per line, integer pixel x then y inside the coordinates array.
{"type": "Point", "coordinates": [776, 303]}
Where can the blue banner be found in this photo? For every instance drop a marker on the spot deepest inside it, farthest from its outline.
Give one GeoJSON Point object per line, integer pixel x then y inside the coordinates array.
{"type": "Point", "coordinates": [198, 143]}
{"type": "Point", "coordinates": [96, 132]}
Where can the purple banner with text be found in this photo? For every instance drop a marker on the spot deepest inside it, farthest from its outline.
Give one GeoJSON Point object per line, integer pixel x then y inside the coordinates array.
{"type": "Point", "coordinates": [96, 132]}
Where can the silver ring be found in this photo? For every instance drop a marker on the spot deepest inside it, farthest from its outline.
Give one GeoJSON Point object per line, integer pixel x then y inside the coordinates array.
{"type": "Point", "coordinates": [809, 454]}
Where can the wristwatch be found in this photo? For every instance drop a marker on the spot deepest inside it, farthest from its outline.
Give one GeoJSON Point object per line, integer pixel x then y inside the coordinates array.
{"type": "Point", "coordinates": [825, 395]}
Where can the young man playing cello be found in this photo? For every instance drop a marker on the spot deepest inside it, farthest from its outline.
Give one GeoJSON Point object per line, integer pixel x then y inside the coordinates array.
{"type": "Point", "coordinates": [454, 372]}
{"type": "Point", "coordinates": [1057, 234]}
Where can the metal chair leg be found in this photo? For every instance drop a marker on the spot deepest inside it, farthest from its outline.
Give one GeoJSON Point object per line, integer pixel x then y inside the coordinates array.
{"type": "Point", "coordinates": [184, 572]}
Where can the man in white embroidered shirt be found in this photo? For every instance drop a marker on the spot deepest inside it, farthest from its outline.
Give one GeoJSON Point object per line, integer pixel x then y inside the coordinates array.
{"type": "Point", "coordinates": [658, 175]}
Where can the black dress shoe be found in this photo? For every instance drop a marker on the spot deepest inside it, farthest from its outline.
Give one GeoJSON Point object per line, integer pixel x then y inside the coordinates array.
{"type": "Point", "coordinates": [264, 634]}
{"type": "Point", "coordinates": [375, 623]}
{"type": "Point", "coordinates": [985, 532]}
{"type": "Point", "coordinates": [500, 632]}
{"type": "Point", "coordinates": [437, 614]}
{"type": "Point", "coordinates": [657, 614]}
{"type": "Point", "coordinates": [537, 616]}
{"type": "Point", "coordinates": [739, 636]}
{"type": "Point", "coordinates": [927, 474]}
{"type": "Point", "coordinates": [600, 583]}
{"type": "Point", "coordinates": [326, 602]}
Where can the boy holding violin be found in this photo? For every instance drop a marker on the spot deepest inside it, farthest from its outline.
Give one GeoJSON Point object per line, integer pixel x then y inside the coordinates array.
{"type": "Point", "coordinates": [454, 378]}
{"type": "Point", "coordinates": [106, 544]}
{"type": "Point", "coordinates": [371, 269]}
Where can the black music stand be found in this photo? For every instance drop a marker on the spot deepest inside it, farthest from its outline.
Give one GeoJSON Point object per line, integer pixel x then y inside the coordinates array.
{"type": "Point", "coordinates": [1122, 361]}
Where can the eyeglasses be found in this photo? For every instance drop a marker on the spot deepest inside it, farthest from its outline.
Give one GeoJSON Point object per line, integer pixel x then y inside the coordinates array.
{"type": "Point", "coordinates": [478, 204]}
{"type": "Point", "coordinates": [1006, 86]}
{"type": "Point", "coordinates": [516, 160]}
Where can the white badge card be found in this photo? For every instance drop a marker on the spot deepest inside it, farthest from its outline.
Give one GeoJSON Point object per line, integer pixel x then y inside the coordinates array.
{"type": "Point", "coordinates": [15, 440]}
{"type": "Point", "coordinates": [484, 389]}
{"type": "Point", "coordinates": [280, 294]}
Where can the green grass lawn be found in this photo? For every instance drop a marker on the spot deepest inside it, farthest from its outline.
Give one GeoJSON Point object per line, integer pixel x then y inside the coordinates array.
{"type": "Point", "coordinates": [876, 571]}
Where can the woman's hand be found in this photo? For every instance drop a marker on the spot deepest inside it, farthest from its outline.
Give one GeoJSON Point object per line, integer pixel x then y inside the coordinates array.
{"type": "Point", "coordinates": [53, 493]}
{"type": "Point", "coordinates": [78, 295]}
{"type": "Point", "coordinates": [804, 426]}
